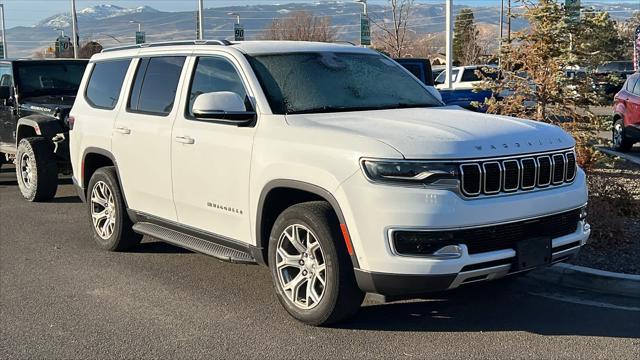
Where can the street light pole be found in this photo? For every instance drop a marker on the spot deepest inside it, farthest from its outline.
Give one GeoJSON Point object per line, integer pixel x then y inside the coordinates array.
{"type": "Point", "coordinates": [449, 41]}
{"type": "Point", "coordinates": [200, 19]}
{"type": "Point", "coordinates": [74, 30]}
{"type": "Point", "coordinates": [501, 32]}
{"type": "Point", "coordinates": [4, 37]}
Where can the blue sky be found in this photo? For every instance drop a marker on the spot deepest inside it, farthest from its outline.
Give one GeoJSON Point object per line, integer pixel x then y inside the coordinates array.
{"type": "Point", "coordinates": [29, 12]}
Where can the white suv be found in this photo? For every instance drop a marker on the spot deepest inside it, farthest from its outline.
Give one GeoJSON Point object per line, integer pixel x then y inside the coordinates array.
{"type": "Point", "coordinates": [329, 163]}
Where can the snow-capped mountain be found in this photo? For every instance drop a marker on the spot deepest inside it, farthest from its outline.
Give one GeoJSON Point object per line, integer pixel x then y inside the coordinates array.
{"type": "Point", "coordinates": [98, 12]}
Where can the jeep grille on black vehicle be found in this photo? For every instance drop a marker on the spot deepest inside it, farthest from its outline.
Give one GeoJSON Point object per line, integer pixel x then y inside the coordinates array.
{"type": "Point", "coordinates": [504, 175]}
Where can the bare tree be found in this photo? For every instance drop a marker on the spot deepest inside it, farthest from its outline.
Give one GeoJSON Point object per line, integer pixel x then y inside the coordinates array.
{"type": "Point", "coordinates": [301, 26]}
{"type": "Point", "coordinates": [392, 34]}
{"type": "Point", "coordinates": [89, 49]}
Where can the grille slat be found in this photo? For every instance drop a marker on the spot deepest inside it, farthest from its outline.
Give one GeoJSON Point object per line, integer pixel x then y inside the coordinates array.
{"type": "Point", "coordinates": [490, 177]}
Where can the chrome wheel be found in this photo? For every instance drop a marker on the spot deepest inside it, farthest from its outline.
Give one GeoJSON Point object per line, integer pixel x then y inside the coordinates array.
{"type": "Point", "coordinates": [27, 172]}
{"type": "Point", "coordinates": [301, 268]}
{"type": "Point", "coordinates": [617, 135]}
{"type": "Point", "coordinates": [103, 210]}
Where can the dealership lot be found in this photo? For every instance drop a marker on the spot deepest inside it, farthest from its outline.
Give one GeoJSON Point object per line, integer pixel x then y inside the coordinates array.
{"type": "Point", "coordinates": [62, 297]}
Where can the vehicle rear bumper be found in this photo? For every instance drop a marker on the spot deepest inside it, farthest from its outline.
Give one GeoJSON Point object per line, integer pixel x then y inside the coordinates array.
{"type": "Point", "coordinates": [79, 189]}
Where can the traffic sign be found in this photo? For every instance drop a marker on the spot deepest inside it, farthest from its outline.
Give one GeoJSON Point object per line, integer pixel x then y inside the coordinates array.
{"type": "Point", "coordinates": [238, 32]}
{"type": "Point", "coordinates": [141, 37]}
{"type": "Point", "coordinates": [365, 30]}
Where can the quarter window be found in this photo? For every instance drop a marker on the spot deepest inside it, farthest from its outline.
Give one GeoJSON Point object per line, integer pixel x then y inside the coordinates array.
{"type": "Point", "coordinates": [105, 83]}
{"type": "Point", "coordinates": [155, 85]}
{"type": "Point", "coordinates": [215, 74]}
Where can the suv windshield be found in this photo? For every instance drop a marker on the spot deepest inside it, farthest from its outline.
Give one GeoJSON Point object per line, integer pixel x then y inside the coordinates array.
{"type": "Point", "coordinates": [49, 77]}
{"type": "Point", "coordinates": [318, 82]}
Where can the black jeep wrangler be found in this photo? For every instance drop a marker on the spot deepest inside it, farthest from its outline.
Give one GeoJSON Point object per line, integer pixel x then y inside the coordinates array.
{"type": "Point", "coordinates": [35, 99]}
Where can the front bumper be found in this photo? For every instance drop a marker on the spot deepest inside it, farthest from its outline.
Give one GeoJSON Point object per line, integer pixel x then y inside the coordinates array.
{"type": "Point", "coordinates": [371, 210]}
{"type": "Point", "coordinates": [477, 267]}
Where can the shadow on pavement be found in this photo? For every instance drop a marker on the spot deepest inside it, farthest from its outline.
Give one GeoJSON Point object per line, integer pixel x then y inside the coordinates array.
{"type": "Point", "coordinates": [66, 200]}
{"type": "Point", "coordinates": [504, 305]}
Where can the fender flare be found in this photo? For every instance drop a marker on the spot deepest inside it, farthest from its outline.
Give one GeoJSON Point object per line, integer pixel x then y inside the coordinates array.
{"type": "Point", "coordinates": [45, 126]}
{"type": "Point", "coordinates": [108, 154]}
{"type": "Point", "coordinates": [303, 186]}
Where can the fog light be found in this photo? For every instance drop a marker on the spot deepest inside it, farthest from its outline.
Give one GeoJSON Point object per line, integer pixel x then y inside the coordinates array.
{"type": "Point", "coordinates": [424, 243]}
{"type": "Point", "coordinates": [449, 252]}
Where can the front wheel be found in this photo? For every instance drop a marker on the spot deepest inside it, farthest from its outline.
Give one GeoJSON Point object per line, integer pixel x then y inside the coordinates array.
{"type": "Point", "coordinates": [312, 272]}
{"type": "Point", "coordinates": [36, 169]}
{"type": "Point", "coordinates": [619, 139]}
{"type": "Point", "coordinates": [112, 228]}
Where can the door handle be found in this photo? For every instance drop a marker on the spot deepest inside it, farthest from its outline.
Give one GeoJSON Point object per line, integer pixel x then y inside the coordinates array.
{"type": "Point", "coordinates": [185, 139]}
{"type": "Point", "coordinates": [123, 130]}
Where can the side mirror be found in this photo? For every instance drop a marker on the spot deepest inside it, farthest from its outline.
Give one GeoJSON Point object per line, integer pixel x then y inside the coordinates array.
{"type": "Point", "coordinates": [224, 106]}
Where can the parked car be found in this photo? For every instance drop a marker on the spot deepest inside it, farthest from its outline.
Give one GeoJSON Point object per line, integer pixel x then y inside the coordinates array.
{"type": "Point", "coordinates": [610, 76]}
{"type": "Point", "coordinates": [470, 99]}
{"type": "Point", "coordinates": [35, 99]}
{"type": "Point", "coordinates": [465, 77]}
{"type": "Point", "coordinates": [327, 163]}
{"type": "Point", "coordinates": [420, 68]}
{"type": "Point", "coordinates": [626, 118]}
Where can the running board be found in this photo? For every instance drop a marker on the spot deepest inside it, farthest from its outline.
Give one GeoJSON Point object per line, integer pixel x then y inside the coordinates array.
{"type": "Point", "coordinates": [193, 243]}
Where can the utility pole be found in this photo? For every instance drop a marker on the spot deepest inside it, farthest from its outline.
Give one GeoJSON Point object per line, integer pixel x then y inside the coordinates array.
{"type": "Point", "coordinates": [509, 22]}
{"type": "Point", "coordinates": [501, 32]}
{"type": "Point", "coordinates": [74, 30]}
{"type": "Point", "coordinates": [4, 37]}
{"type": "Point", "coordinates": [449, 41]}
{"type": "Point", "coordinates": [200, 19]}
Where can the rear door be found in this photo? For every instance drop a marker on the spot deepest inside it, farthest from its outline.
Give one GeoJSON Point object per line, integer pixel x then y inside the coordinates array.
{"type": "Point", "coordinates": [142, 135]}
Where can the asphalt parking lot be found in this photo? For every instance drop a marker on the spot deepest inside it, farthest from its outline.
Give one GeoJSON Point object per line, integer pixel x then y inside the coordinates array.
{"type": "Point", "coordinates": [61, 297]}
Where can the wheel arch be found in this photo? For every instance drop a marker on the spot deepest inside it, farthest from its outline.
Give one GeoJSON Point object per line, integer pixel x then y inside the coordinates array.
{"type": "Point", "coordinates": [37, 125]}
{"type": "Point", "coordinates": [93, 159]}
{"type": "Point", "coordinates": [272, 202]}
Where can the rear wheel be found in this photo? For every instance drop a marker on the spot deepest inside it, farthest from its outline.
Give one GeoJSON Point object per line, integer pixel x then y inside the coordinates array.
{"type": "Point", "coordinates": [312, 272]}
{"type": "Point", "coordinates": [619, 139]}
{"type": "Point", "coordinates": [36, 169]}
{"type": "Point", "coordinates": [111, 227]}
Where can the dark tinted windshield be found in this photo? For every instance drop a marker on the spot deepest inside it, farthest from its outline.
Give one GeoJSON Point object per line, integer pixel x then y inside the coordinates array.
{"type": "Point", "coordinates": [330, 82]}
{"type": "Point", "coordinates": [49, 78]}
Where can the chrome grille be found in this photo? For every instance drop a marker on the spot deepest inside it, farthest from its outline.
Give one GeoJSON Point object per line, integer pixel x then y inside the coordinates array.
{"type": "Point", "coordinates": [494, 176]}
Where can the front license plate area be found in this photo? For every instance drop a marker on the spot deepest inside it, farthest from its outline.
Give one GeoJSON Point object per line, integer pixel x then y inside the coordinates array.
{"type": "Point", "coordinates": [532, 252]}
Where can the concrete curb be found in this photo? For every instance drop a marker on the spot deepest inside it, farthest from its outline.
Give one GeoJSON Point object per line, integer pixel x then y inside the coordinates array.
{"type": "Point", "coordinates": [633, 159]}
{"type": "Point", "coordinates": [590, 279]}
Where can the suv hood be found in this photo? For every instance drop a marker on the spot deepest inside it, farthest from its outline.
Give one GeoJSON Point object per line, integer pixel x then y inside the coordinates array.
{"type": "Point", "coordinates": [49, 105]}
{"type": "Point", "coordinates": [443, 132]}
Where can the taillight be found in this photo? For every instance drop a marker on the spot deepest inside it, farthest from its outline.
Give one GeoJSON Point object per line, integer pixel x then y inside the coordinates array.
{"type": "Point", "coordinates": [70, 122]}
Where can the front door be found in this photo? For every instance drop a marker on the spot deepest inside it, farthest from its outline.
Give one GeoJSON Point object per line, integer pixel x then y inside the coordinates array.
{"type": "Point", "coordinates": [211, 160]}
{"type": "Point", "coordinates": [142, 135]}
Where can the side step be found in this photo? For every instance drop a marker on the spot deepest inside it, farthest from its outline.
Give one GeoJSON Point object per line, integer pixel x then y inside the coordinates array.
{"type": "Point", "coordinates": [193, 243]}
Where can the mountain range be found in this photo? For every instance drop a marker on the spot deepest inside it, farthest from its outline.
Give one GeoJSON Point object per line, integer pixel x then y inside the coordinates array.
{"type": "Point", "coordinates": [111, 24]}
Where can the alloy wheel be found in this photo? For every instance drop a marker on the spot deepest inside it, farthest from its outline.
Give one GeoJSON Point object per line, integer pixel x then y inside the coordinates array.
{"type": "Point", "coordinates": [617, 135]}
{"type": "Point", "coordinates": [26, 170]}
{"type": "Point", "coordinates": [103, 210]}
{"type": "Point", "coordinates": [301, 267]}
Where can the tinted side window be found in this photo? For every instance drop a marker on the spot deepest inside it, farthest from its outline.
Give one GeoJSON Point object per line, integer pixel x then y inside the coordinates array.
{"type": "Point", "coordinates": [155, 85]}
{"type": "Point", "coordinates": [630, 83]}
{"type": "Point", "coordinates": [214, 74]}
{"type": "Point", "coordinates": [6, 77]}
{"type": "Point", "coordinates": [470, 75]}
{"type": "Point", "coordinates": [415, 69]}
{"type": "Point", "coordinates": [105, 83]}
{"type": "Point", "coordinates": [636, 89]}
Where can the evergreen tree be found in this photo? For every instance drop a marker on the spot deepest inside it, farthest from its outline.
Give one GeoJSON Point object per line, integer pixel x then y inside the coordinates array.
{"type": "Point", "coordinates": [465, 39]}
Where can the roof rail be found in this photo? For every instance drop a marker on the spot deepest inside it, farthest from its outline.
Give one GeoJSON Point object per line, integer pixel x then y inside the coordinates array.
{"type": "Point", "coordinates": [169, 43]}
{"type": "Point", "coordinates": [343, 42]}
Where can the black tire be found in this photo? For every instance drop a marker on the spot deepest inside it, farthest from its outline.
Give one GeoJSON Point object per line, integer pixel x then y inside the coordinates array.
{"type": "Point", "coordinates": [35, 155]}
{"type": "Point", "coordinates": [624, 144]}
{"type": "Point", "coordinates": [342, 297]}
{"type": "Point", "coordinates": [122, 237]}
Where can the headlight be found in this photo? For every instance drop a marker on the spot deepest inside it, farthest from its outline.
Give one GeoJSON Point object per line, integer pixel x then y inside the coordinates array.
{"type": "Point", "coordinates": [412, 172]}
